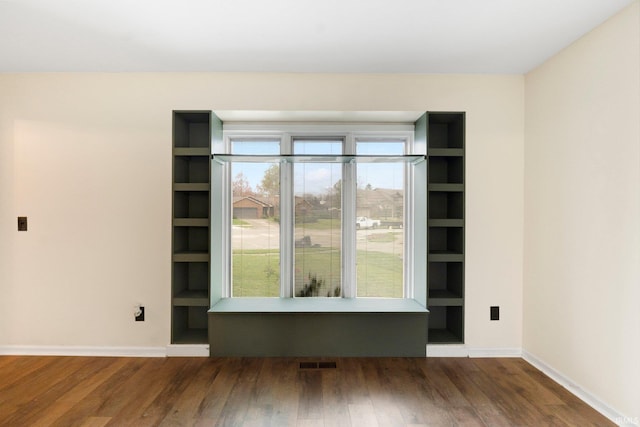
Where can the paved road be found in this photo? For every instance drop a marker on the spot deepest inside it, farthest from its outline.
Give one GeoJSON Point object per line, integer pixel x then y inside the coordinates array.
{"type": "Point", "coordinates": [265, 234]}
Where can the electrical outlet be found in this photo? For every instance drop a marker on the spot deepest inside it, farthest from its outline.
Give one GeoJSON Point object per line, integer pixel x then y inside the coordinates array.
{"type": "Point", "coordinates": [139, 313]}
{"type": "Point", "coordinates": [495, 313]}
{"type": "Point", "coordinates": [22, 223]}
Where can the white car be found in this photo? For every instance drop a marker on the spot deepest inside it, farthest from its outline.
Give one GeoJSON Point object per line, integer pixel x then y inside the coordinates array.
{"type": "Point", "coordinates": [364, 222]}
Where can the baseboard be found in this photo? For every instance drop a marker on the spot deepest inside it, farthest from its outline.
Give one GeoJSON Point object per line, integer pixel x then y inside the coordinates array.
{"type": "Point", "coordinates": [188, 350]}
{"type": "Point", "coordinates": [495, 352]}
{"type": "Point", "coordinates": [447, 350]}
{"type": "Point", "coordinates": [581, 393]}
{"type": "Point", "coordinates": [34, 350]}
{"type": "Point", "coordinates": [461, 350]}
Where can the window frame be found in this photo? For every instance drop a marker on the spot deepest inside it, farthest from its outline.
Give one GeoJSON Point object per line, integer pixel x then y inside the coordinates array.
{"type": "Point", "coordinates": [350, 134]}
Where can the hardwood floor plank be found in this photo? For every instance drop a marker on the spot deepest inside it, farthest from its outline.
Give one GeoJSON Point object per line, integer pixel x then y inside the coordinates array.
{"type": "Point", "coordinates": [382, 399]}
{"type": "Point", "coordinates": [277, 389]}
{"type": "Point", "coordinates": [36, 392]}
{"type": "Point", "coordinates": [310, 402]}
{"type": "Point", "coordinates": [168, 380]}
{"type": "Point", "coordinates": [96, 422]}
{"type": "Point", "coordinates": [456, 370]}
{"type": "Point", "coordinates": [187, 407]}
{"type": "Point", "coordinates": [18, 368]}
{"type": "Point", "coordinates": [94, 403]}
{"type": "Point", "coordinates": [362, 415]}
{"type": "Point", "coordinates": [56, 399]}
{"type": "Point", "coordinates": [242, 394]}
{"type": "Point", "coordinates": [219, 389]}
{"type": "Point", "coordinates": [335, 405]}
{"type": "Point", "coordinates": [384, 392]}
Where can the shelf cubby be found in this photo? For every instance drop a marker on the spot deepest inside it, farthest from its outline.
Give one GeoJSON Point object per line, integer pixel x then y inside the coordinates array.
{"type": "Point", "coordinates": [446, 324]}
{"type": "Point", "coordinates": [446, 282]}
{"type": "Point", "coordinates": [190, 276]}
{"type": "Point", "coordinates": [446, 170]}
{"type": "Point", "coordinates": [191, 169]}
{"type": "Point", "coordinates": [446, 130]}
{"type": "Point", "coordinates": [446, 240]}
{"type": "Point", "coordinates": [192, 129]}
{"type": "Point", "coordinates": [446, 205]}
{"type": "Point", "coordinates": [191, 204]}
{"type": "Point", "coordinates": [189, 324]}
{"type": "Point", "coordinates": [190, 239]}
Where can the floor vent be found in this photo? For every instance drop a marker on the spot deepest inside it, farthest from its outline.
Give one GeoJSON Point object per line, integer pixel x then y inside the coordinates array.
{"type": "Point", "coordinates": [318, 365]}
{"type": "Point", "coordinates": [327, 365]}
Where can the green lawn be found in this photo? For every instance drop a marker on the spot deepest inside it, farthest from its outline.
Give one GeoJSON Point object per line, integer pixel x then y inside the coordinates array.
{"type": "Point", "coordinates": [257, 272]}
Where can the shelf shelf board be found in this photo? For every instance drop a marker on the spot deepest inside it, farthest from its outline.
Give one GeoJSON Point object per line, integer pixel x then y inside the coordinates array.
{"type": "Point", "coordinates": [191, 256]}
{"type": "Point", "coordinates": [191, 222]}
{"type": "Point", "coordinates": [443, 297]}
{"type": "Point", "coordinates": [445, 152]}
{"type": "Point", "coordinates": [198, 186]}
{"type": "Point", "coordinates": [445, 256]}
{"type": "Point", "coordinates": [443, 336]}
{"type": "Point", "coordinates": [446, 222]}
{"type": "Point", "coordinates": [191, 299]}
{"type": "Point", "coordinates": [446, 187]}
{"type": "Point", "coordinates": [192, 151]}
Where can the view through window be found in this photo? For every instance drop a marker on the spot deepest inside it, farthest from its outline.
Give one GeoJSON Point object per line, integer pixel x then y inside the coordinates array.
{"type": "Point", "coordinates": [286, 234]}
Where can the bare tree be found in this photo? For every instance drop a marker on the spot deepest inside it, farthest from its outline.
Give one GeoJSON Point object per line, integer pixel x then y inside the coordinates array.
{"type": "Point", "coordinates": [241, 186]}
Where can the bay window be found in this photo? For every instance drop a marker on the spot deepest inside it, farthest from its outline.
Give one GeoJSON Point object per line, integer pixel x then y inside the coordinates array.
{"type": "Point", "coordinates": [317, 212]}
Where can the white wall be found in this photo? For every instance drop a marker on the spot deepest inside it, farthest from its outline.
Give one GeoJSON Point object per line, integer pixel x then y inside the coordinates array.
{"type": "Point", "coordinates": [87, 157]}
{"type": "Point", "coordinates": [582, 212]}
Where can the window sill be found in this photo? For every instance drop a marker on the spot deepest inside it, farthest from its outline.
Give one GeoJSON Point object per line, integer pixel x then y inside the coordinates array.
{"type": "Point", "coordinates": [317, 305]}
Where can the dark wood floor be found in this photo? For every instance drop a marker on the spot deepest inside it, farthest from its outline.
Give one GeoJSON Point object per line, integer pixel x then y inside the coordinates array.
{"type": "Point", "coordinates": [83, 391]}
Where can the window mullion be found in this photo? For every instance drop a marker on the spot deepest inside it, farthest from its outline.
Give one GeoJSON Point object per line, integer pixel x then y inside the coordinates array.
{"type": "Point", "coordinates": [286, 222]}
{"type": "Point", "coordinates": [349, 176]}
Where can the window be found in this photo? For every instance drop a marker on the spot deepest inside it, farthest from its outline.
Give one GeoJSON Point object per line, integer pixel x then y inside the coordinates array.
{"type": "Point", "coordinates": [316, 213]}
{"type": "Point", "coordinates": [255, 234]}
{"type": "Point", "coordinates": [380, 206]}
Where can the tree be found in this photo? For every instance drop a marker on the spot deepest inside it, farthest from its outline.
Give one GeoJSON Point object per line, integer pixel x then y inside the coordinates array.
{"type": "Point", "coordinates": [270, 184]}
{"type": "Point", "coordinates": [241, 186]}
{"type": "Point", "coordinates": [336, 194]}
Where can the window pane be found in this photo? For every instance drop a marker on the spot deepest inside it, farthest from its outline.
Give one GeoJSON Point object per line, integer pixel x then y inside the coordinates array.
{"type": "Point", "coordinates": [380, 222]}
{"type": "Point", "coordinates": [255, 229]}
{"type": "Point", "coordinates": [317, 216]}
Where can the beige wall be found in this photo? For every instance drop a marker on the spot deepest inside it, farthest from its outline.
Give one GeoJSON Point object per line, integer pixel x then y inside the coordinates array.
{"type": "Point", "coordinates": [88, 158]}
{"type": "Point", "coordinates": [582, 212]}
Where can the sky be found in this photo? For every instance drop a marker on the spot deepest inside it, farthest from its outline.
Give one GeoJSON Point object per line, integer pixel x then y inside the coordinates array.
{"type": "Point", "coordinates": [318, 178]}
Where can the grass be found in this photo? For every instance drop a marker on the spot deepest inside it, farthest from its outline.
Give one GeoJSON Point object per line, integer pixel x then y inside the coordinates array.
{"type": "Point", "coordinates": [320, 224]}
{"type": "Point", "coordinates": [257, 272]}
{"type": "Point", "coordinates": [382, 237]}
{"type": "Point", "coordinates": [240, 223]}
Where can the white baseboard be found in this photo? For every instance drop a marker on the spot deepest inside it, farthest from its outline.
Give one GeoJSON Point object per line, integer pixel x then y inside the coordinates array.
{"type": "Point", "coordinates": [461, 350]}
{"type": "Point", "coordinates": [495, 352]}
{"type": "Point", "coordinates": [581, 393]}
{"type": "Point", "coordinates": [36, 350]}
{"type": "Point", "coordinates": [447, 350]}
{"type": "Point", "coordinates": [188, 350]}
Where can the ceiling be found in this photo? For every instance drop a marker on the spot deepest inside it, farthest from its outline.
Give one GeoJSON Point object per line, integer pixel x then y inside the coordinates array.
{"type": "Point", "coordinates": [332, 36]}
